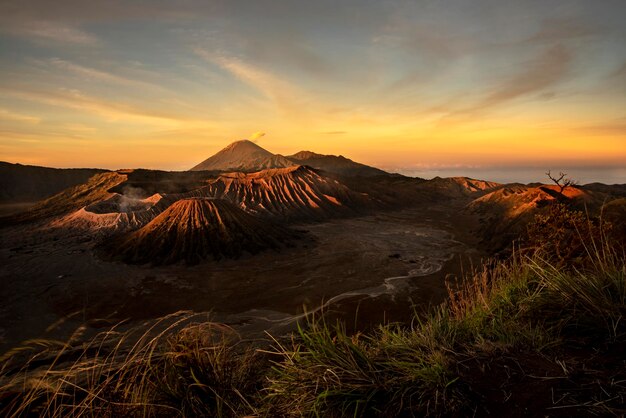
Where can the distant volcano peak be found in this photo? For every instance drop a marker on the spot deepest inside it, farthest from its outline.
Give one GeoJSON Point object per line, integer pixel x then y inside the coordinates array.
{"type": "Point", "coordinates": [244, 144]}
{"type": "Point", "coordinates": [243, 155]}
{"type": "Point", "coordinates": [248, 157]}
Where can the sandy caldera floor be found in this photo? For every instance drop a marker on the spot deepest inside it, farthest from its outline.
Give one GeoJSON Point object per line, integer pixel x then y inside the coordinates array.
{"type": "Point", "coordinates": [364, 270]}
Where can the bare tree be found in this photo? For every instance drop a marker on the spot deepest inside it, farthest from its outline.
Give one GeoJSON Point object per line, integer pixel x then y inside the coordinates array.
{"type": "Point", "coordinates": [562, 181]}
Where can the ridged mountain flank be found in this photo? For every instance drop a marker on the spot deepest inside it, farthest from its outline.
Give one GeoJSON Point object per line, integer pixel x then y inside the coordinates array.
{"type": "Point", "coordinates": [194, 229]}
{"type": "Point", "coordinates": [288, 193]}
{"type": "Point", "coordinates": [245, 156]}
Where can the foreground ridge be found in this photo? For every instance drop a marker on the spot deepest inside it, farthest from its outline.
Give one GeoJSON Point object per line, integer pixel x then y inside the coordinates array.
{"type": "Point", "coordinates": [520, 337]}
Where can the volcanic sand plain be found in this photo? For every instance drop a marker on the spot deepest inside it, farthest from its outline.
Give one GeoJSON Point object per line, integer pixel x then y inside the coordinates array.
{"type": "Point", "coordinates": [365, 270]}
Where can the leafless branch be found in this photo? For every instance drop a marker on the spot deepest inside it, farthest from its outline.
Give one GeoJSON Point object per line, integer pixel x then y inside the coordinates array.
{"type": "Point", "coordinates": [561, 181]}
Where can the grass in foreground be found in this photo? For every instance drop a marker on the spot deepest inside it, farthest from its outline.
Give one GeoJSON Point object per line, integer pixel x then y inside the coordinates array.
{"type": "Point", "coordinates": [520, 337]}
{"type": "Point", "coordinates": [518, 324]}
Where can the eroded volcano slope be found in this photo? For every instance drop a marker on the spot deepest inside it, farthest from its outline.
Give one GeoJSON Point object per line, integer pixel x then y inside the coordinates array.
{"type": "Point", "coordinates": [288, 193]}
{"type": "Point", "coordinates": [194, 229]}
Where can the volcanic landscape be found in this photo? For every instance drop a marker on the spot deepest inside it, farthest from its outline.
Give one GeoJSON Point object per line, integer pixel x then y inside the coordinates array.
{"type": "Point", "coordinates": [256, 239]}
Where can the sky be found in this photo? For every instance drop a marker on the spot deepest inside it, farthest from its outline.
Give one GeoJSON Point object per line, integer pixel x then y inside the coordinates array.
{"type": "Point", "coordinates": [500, 89]}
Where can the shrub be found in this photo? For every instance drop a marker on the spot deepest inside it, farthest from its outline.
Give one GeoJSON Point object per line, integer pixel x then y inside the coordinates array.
{"type": "Point", "coordinates": [564, 236]}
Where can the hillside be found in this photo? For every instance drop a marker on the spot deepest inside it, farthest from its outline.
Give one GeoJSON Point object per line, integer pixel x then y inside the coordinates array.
{"type": "Point", "coordinates": [506, 212]}
{"type": "Point", "coordinates": [27, 183]}
{"type": "Point", "coordinates": [71, 199]}
{"type": "Point", "coordinates": [452, 187]}
{"type": "Point", "coordinates": [191, 230]}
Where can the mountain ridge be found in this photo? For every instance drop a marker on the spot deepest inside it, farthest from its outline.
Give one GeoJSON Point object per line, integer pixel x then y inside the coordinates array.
{"type": "Point", "coordinates": [337, 164]}
{"type": "Point", "coordinates": [248, 157]}
{"type": "Point", "coordinates": [30, 183]}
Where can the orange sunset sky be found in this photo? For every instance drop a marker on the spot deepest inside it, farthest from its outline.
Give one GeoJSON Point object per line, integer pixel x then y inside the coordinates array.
{"type": "Point", "coordinates": [419, 87]}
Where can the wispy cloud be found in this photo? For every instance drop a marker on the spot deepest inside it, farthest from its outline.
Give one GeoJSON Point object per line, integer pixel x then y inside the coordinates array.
{"type": "Point", "coordinates": [615, 127]}
{"type": "Point", "coordinates": [543, 72]}
{"type": "Point", "coordinates": [619, 74]}
{"type": "Point", "coordinates": [112, 111]}
{"type": "Point", "coordinates": [295, 52]}
{"type": "Point", "coordinates": [558, 30]}
{"type": "Point", "coordinates": [51, 31]}
{"type": "Point", "coordinates": [7, 114]}
{"type": "Point", "coordinates": [285, 95]}
{"type": "Point", "coordinates": [266, 83]}
{"type": "Point", "coordinates": [88, 72]}
{"type": "Point", "coordinates": [79, 128]}
{"type": "Point", "coordinates": [99, 75]}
